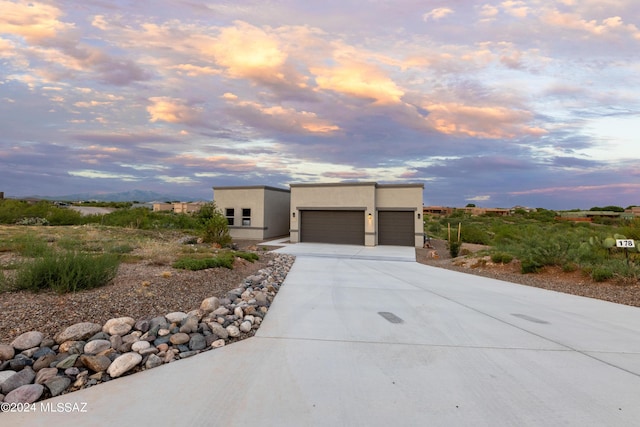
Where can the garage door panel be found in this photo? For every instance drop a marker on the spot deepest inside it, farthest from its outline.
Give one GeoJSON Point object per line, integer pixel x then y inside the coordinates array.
{"type": "Point", "coordinates": [396, 228]}
{"type": "Point", "coordinates": [342, 227]}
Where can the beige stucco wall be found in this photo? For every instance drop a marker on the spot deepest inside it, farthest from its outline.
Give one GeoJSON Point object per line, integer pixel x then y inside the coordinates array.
{"type": "Point", "coordinates": [276, 212]}
{"type": "Point", "coordinates": [269, 210]}
{"type": "Point", "coordinates": [349, 196]}
{"type": "Point", "coordinates": [403, 197]}
{"type": "Point", "coordinates": [160, 207]}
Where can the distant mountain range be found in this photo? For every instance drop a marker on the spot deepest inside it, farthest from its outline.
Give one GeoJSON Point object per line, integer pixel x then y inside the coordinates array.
{"type": "Point", "coordinates": [126, 196]}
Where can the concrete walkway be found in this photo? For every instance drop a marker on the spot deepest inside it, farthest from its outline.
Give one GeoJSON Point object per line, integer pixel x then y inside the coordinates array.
{"type": "Point", "coordinates": [373, 342]}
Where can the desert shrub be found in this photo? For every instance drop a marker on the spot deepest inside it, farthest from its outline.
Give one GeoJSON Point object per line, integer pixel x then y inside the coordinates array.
{"type": "Point", "coordinates": [29, 245]}
{"type": "Point", "coordinates": [474, 234]}
{"type": "Point", "coordinates": [434, 228]}
{"type": "Point", "coordinates": [120, 249]}
{"type": "Point", "coordinates": [569, 267]}
{"type": "Point", "coordinates": [601, 273]}
{"type": "Point", "coordinates": [216, 230]}
{"type": "Point", "coordinates": [542, 250]}
{"type": "Point", "coordinates": [501, 258]}
{"type": "Point", "coordinates": [171, 220]}
{"type": "Point", "coordinates": [223, 260]}
{"type": "Point", "coordinates": [249, 256]}
{"type": "Point", "coordinates": [67, 272]}
{"type": "Point", "coordinates": [4, 282]}
{"type": "Point", "coordinates": [454, 249]}
{"type": "Point", "coordinates": [131, 218]}
{"type": "Point", "coordinates": [61, 216]}
{"type": "Point", "coordinates": [529, 266]}
{"type": "Point", "coordinates": [31, 220]}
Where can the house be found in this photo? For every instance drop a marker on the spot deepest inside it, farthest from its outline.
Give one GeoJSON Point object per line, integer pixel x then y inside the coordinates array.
{"type": "Point", "coordinates": [358, 213]}
{"type": "Point", "coordinates": [178, 207]}
{"type": "Point", "coordinates": [185, 207]}
{"type": "Point", "coordinates": [254, 212]}
{"type": "Point", "coordinates": [162, 207]}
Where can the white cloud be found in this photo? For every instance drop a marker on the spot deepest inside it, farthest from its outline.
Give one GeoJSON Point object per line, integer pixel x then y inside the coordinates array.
{"type": "Point", "coordinates": [437, 14]}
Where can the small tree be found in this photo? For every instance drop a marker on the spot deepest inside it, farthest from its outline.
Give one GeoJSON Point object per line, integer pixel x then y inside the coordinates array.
{"type": "Point", "coordinates": [216, 229]}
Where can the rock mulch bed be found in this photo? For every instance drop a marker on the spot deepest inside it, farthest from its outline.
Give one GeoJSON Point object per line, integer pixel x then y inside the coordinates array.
{"type": "Point", "coordinates": [36, 367]}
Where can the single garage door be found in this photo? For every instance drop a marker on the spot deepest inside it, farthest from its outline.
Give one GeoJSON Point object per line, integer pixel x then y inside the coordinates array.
{"type": "Point", "coordinates": [343, 227]}
{"type": "Point", "coordinates": [396, 228]}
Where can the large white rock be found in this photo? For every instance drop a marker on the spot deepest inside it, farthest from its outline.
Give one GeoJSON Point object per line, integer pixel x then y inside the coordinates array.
{"type": "Point", "coordinates": [123, 364]}
{"type": "Point", "coordinates": [233, 330]}
{"type": "Point", "coordinates": [6, 352]}
{"type": "Point", "coordinates": [176, 316]}
{"type": "Point", "coordinates": [210, 304]}
{"type": "Point", "coordinates": [118, 325]}
{"type": "Point", "coordinates": [96, 346]}
{"type": "Point", "coordinates": [138, 346]}
{"type": "Point", "coordinates": [218, 330]}
{"type": "Point", "coordinates": [245, 326]}
{"type": "Point", "coordinates": [78, 332]}
{"type": "Point", "coordinates": [27, 340]}
{"type": "Point", "coordinates": [28, 393]}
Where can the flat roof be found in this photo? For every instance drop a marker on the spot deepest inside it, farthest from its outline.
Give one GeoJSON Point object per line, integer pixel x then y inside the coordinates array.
{"type": "Point", "coordinates": [252, 187]}
{"type": "Point", "coordinates": [353, 184]}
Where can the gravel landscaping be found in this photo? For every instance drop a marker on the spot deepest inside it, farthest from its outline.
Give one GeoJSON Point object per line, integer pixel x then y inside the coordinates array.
{"type": "Point", "coordinates": [576, 283]}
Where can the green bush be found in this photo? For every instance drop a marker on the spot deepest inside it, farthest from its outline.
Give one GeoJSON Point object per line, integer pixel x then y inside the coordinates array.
{"type": "Point", "coordinates": [529, 266]}
{"type": "Point", "coordinates": [120, 249]}
{"type": "Point", "coordinates": [454, 249]}
{"type": "Point", "coordinates": [249, 256]}
{"type": "Point", "coordinates": [28, 245]}
{"type": "Point", "coordinates": [224, 260]}
{"type": "Point", "coordinates": [216, 230]}
{"type": "Point", "coordinates": [474, 234]}
{"type": "Point", "coordinates": [501, 258]}
{"type": "Point", "coordinates": [601, 273]}
{"type": "Point", "coordinates": [61, 216]}
{"type": "Point", "coordinates": [67, 272]}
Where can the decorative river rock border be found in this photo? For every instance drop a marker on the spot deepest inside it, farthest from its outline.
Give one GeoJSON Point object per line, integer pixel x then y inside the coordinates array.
{"type": "Point", "coordinates": [35, 367]}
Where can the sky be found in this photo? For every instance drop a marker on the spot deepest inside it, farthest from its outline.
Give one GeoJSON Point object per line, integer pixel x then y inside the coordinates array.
{"type": "Point", "coordinates": [496, 103]}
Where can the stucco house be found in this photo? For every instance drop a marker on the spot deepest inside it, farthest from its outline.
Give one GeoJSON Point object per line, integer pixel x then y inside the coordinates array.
{"type": "Point", "coordinates": [254, 212]}
{"type": "Point", "coordinates": [357, 213]}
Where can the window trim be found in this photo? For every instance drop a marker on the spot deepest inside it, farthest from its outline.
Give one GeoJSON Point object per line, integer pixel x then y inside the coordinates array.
{"type": "Point", "coordinates": [246, 219]}
{"type": "Point", "coordinates": [230, 215]}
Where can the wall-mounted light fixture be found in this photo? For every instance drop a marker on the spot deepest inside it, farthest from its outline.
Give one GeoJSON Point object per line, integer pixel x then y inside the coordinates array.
{"type": "Point", "coordinates": [369, 216]}
{"type": "Point", "coordinates": [418, 216]}
{"type": "Point", "coordinates": [293, 214]}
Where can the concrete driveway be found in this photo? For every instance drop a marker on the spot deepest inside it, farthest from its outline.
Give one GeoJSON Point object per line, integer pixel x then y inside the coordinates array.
{"type": "Point", "coordinates": [373, 342]}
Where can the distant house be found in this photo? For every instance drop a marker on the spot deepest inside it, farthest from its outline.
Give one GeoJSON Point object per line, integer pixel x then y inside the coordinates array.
{"type": "Point", "coordinates": [187, 207]}
{"type": "Point", "coordinates": [487, 211]}
{"type": "Point", "coordinates": [162, 207]}
{"type": "Point", "coordinates": [178, 207]}
{"type": "Point", "coordinates": [437, 210]}
{"type": "Point", "coordinates": [444, 211]}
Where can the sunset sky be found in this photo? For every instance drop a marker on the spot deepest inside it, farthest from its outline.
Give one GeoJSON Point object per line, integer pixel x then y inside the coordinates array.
{"type": "Point", "coordinates": [497, 103]}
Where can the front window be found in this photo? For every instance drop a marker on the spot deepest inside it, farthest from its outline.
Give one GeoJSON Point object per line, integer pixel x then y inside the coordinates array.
{"type": "Point", "coordinates": [230, 214]}
{"type": "Point", "coordinates": [246, 216]}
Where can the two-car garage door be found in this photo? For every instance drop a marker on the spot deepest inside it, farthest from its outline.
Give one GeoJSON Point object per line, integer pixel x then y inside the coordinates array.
{"type": "Point", "coordinates": [343, 227]}
{"type": "Point", "coordinates": [347, 227]}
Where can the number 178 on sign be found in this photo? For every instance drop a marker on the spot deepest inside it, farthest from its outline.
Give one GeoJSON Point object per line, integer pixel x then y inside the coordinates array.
{"type": "Point", "coordinates": [625, 243]}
